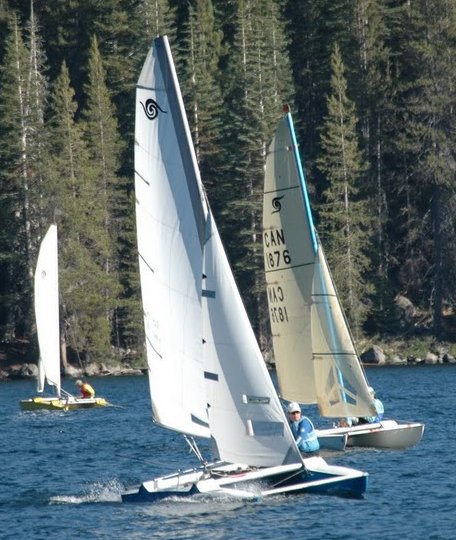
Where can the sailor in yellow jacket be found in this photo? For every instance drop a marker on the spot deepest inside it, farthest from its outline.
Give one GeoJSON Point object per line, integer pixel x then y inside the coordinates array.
{"type": "Point", "coordinates": [86, 390]}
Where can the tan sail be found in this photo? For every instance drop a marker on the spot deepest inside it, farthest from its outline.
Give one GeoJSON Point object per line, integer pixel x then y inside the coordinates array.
{"type": "Point", "coordinates": [315, 356]}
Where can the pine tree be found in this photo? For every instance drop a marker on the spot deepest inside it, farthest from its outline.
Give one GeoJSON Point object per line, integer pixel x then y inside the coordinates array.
{"type": "Point", "coordinates": [156, 17]}
{"type": "Point", "coordinates": [345, 226]}
{"type": "Point", "coordinates": [37, 102]}
{"type": "Point", "coordinates": [15, 242]}
{"type": "Point", "coordinates": [202, 95]}
{"type": "Point", "coordinates": [372, 83]}
{"type": "Point", "coordinates": [105, 147]}
{"type": "Point", "coordinates": [312, 27]}
{"type": "Point", "coordinates": [86, 291]}
{"type": "Point", "coordinates": [423, 192]}
{"type": "Point", "coordinates": [258, 82]}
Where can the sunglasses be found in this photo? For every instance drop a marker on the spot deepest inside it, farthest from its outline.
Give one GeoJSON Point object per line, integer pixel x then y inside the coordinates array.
{"type": "Point", "coordinates": [295, 412]}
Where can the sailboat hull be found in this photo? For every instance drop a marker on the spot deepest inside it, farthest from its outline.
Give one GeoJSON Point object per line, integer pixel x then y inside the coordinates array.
{"type": "Point", "coordinates": [387, 434]}
{"type": "Point", "coordinates": [239, 481]}
{"type": "Point", "coordinates": [58, 404]}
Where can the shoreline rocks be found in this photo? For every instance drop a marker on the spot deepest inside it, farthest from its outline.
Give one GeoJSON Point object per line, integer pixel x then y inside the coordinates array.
{"type": "Point", "coordinates": [374, 356]}
{"type": "Point", "coordinates": [30, 371]}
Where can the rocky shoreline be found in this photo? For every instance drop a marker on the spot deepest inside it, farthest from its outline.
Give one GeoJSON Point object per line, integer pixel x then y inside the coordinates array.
{"type": "Point", "coordinates": [374, 356]}
{"type": "Point", "coordinates": [17, 368]}
{"type": "Point", "coordinates": [30, 371]}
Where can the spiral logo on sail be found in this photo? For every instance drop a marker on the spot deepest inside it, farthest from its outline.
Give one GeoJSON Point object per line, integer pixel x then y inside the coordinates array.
{"type": "Point", "coordinates": [151, 108]}
{"type": "Point", "coordinates": [276, 204]}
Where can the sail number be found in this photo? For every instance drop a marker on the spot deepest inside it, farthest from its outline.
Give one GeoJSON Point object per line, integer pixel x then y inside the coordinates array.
{"type": "Point", "coordinates": [275, 258]}
{"type": "Point", "coordinates": [274, 254]}
{"type": "Point", "coordinates": [279, 314]}
{"type": "Point", "coordinates": [276, 299]}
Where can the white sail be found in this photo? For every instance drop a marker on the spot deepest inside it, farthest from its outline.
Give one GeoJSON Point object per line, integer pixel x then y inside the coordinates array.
{"type": "Point", "coordinates": [201, 349]}
{"type": "Point", "coordinates": [314, 353]}
{"type": "Point", "coordinates": [202, 354]}
{"type": "Point", "coordinates": [170, 227]}
{"type": "Point", "coordinates": [47, 311]}
{"type": "Point", "coordinates": [246, 418]}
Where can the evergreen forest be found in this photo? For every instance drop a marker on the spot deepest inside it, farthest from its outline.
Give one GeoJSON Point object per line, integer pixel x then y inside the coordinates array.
{"type": "Point", "coordinates": [372, 90]}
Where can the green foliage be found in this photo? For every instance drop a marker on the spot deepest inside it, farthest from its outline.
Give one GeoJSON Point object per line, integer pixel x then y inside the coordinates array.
{"type": "Point", "coordinates": [87, 288]}
{"type": "Point", "coordinates": [257, 84]}
{"type": "Point", "coordinates": [156, 17]}
{"type": "Point", "coordinates": [422, 134]}
{"type": "Point", "coordinates": [15, 167]}
{"type": "Point", "coordinates": [345, 225]}
{"type": "Point", "coordinates": [385, 205]}
{"type": "Point", "coordinates": [202, 95]}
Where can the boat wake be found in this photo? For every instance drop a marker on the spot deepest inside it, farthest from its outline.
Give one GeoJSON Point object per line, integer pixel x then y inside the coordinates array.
{"type": "Point", "coordinates": [99, 492]}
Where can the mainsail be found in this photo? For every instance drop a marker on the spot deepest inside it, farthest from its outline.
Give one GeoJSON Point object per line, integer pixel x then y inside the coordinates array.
{"type": "Point", "coordinates": [207, 376]}
{"type": "Point", "coordinates": [47, 311]}
{"type": "Point", "coordinates": [170, 221]}
{"type": "Point", "coordinates": [315, 356]}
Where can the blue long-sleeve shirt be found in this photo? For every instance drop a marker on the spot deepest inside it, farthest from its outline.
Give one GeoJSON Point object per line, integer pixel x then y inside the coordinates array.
{"type": "Point", "coordinates": [304, 433]}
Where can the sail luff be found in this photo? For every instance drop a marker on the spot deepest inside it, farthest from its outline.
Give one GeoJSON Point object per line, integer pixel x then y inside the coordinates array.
{"type": "Point", "coordinates": [302, 180]}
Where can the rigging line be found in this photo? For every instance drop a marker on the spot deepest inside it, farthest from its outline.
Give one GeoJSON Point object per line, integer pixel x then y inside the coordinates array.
{"type": "Point", "coordinates": [194, 448]}
{"type": "Point", "coordinates": [66, 394]}
{"type": "Point", "coordinates": [290, 476]}
{"type": "Point", "coordinates": [75, 345]}
{"type": "Point", "coordinates": [114, 405]}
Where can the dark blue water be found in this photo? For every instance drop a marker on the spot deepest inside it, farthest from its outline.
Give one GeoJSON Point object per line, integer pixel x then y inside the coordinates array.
{"type": "Point", "coordinates": [61, 474]}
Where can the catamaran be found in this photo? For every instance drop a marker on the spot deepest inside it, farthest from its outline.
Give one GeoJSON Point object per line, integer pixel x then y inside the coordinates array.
{"type": "Point", "coordinates": [207, 376]}
{"type": "Point", "coordinates": [47, 324]}
{"type": "Point", "coordinates": [315, 355]}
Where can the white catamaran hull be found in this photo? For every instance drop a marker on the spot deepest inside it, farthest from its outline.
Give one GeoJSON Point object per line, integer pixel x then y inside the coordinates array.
{"type": "Point", "coordinates": [387, 434]}
{"type": "Point", "coordinates": [240, 481]}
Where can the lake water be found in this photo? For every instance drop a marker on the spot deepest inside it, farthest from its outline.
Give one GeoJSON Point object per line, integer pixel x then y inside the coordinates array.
{"type": "Point", "coordinates": [61, 474]}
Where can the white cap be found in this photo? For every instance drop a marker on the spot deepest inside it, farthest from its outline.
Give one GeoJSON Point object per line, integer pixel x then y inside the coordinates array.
{"type": "Point", "coordinates": [293, 407]}
{"type": "Point", "coordinates": [371, 390]}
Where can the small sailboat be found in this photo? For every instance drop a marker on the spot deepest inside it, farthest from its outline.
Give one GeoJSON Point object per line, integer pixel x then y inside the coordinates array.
{"type": "Point", "coordinates": [206, 374]}
{"type": "Point", "coordinates": [47, 323]}
{"type": "Point", "coordinates": [315, 355]}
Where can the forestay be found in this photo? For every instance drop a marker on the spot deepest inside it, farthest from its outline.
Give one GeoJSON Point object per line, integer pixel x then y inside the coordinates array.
{"type": "Point", "coordinates": [314, 353]}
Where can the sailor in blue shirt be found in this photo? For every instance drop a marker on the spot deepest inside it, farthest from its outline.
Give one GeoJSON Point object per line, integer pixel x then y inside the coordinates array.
{"type": "Point", "coordinates": [302, 429]}
{"type": "Point", "coordinates": [379, 409]}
